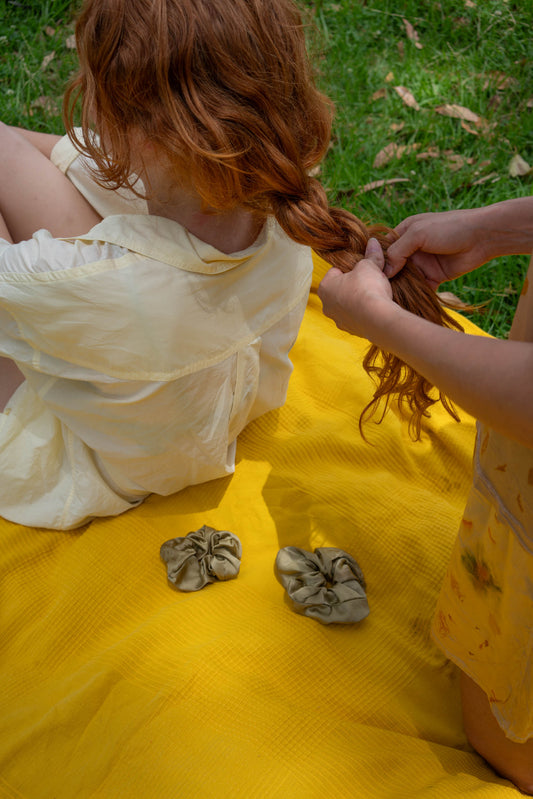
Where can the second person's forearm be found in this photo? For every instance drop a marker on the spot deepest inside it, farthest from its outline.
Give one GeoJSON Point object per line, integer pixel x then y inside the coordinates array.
{"type": "Point", "coordinates": [508, 227]}
{"type": "Point", "coordinates": [491, 379]}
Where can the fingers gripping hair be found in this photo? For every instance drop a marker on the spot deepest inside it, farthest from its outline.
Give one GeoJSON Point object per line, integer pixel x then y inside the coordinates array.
{"type": "Point", "coordinates": [341, 238]}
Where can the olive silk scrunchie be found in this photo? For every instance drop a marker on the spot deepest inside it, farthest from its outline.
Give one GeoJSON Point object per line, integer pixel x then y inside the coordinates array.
{"type": "Point", "coordinates": [326, 585]}
{"type": "Point", "coordinates": [201, 557]}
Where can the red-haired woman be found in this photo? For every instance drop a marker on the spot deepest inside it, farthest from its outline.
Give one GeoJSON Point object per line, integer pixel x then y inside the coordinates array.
{"type": "Point", "coordinates": [155, 262]}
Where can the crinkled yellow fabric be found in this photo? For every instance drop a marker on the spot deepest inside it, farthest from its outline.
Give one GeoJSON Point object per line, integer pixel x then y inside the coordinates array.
{"type": "Point", "coordinates": [114, 684]}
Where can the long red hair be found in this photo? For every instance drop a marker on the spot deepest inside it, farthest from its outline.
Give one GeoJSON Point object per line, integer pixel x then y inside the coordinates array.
{"type": "Point", "coordinates": [225, 93]}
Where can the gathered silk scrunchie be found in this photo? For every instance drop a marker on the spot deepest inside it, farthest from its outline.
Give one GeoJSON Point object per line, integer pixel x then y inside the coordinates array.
{"type": "Point", "coordinates": [202, 557]}
{"type": "Point", "coordinates": [326, 585]}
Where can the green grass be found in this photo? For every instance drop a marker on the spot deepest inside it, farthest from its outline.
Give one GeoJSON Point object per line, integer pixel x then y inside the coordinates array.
{"type": "Point", "coordinates": [35, 62]}
{"type": "Point", "coordinates": [475, 54]}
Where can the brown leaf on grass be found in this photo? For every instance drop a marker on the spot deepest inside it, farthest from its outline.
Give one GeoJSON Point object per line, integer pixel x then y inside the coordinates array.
{"type": "Point", "coordinates": [46, 104]}
{"type": "Point", "coordinates": [457, 161]}
{"type": "Point", "coordinates": [518, 166]}
{"type": "Point", "coordinates": [401, 49]}
{"type": "Point", "coordinates": [470, 4]}
{"type": "Point", "coordinates": [407, 96]}
{"type": "Point", "coordinates": [49, 30]}
{"type": "Point", "coordinates": [457, 112]}
{"type": "Point", "coordinates": [380, 94]}
{"type": "Point", "coordinates": [431, 152]}
{"type": "Point", "coordinates": [389, 77]}
{"type": "Point", "coordinates": [529, 103]}
{"type": "Point", "coordinates": [385, 155]}
{"type": "Point", "coordinates": [412, 34]}
{"type": "Point", "coordinates": [469, 128]}
{"type": "Point", "coordinates": [396, 127]}
{"type": "Point", "coordinates": [505, 82]}
{"type": "Point", "coordinates": [492, 176]}
{"type": "Point", "coordinates": [452, 300]}
{"type": "Point", "coordinates": [377, 184]}
{"type": "Point", "coordinates": [70, 42]}
{"type": "Point", "coordinates": [46, 60]}
{"type": "Point", "coordinates": [499, 80]}
{"type": "Point", "coordinates": [391, 151]}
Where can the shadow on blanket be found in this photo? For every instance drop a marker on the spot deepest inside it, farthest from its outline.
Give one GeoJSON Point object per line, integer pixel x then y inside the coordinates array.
{"type": "Point", "coordinates": [116, 685]}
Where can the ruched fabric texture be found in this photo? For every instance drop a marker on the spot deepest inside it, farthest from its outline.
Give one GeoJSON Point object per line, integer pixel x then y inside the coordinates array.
{"type": "Point", "coordinates": [201, 557]}
{"type": "Point", "coordinates": [327, 584]}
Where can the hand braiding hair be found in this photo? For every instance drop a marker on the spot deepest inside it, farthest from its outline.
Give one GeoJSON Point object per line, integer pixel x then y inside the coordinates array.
{"type": "Point", "coordinates": [341, 238]}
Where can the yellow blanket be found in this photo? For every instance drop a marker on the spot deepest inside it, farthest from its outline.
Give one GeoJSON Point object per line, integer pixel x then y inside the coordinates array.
{"type": "Point", "coordinates": [114, 684]}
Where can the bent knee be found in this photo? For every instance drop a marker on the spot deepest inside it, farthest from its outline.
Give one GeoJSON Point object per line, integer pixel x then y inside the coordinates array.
{"type": "Point", "coordinates": [512, 761]}
{"type": "Point", "coordinates": [524, 782]}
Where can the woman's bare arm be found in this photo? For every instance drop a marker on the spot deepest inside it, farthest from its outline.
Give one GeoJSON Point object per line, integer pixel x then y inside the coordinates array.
{"type": "Point", "coordinates": [35, 194]}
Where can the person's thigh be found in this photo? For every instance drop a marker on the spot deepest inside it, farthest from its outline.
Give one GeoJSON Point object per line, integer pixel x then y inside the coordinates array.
{"type": "Point", "coordinates": [34, 194]}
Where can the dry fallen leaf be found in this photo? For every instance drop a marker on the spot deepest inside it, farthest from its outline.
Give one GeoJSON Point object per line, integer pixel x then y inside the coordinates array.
{"type": "Point", "coordinates": [47, 104]}
{"type": "Point", "coordinates": [529, 103]}
{"type": "Point", "coordinates": [397, 126]}
{"type": "Point", "coordinates": [407, 96]}
{"type": "Point", "coordinates": [469, 128]}
{"type": "Point", "coordinates": [380, 94]}
{"type": "Point", "coordinates": [46, 60]}
{"type": "Point", "coordinates": [493, 177]}
{"type": "Point", "coordinates": [452, 300]}
{"type": "Point", "coordinates": [431, 152]}
{"type": "Point", "coordinates": [377, 184]}
{"type": "Point", "coordinates": [70, 42]}
{"type": "Point", "coordinates": [389, 77]}
{"type": "Point", "coordinates": [391, 151]}
{"type": "Point", "coordinates": [49, 30]}
{"type": "Point", "coordinates": [456, 161]}
{"type": "Point", "coordinates": [470, 4]}
{"type": "Point", "coordinates": [499, 80]}
{"type": "Point", "coordinates": [385, 155]}
{"type": "Point", "coordinates": [458, 112]}
{"type": "Point", "coordinates": [412, 34]}
{"type": "Point", "coordinates": [518, 166]}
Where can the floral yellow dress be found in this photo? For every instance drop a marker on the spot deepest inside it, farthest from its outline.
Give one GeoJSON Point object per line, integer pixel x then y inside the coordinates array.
{"type": "Point", "coordinates": [484, 616]}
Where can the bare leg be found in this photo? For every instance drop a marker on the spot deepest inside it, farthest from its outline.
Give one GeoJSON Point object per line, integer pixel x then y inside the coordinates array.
{"type": "Point", "coordinates": [10, 379]}
{"type": "Point", "coordinates": [44, 142]}
{"type": "Point", "coordinates": [512, 760]}
{"type": "Point", "coordinates": [35, 194]}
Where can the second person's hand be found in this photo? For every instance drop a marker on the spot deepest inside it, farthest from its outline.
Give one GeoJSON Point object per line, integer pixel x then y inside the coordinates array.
{"type": "Point", "coordinates": [350, 298]}
{"type": "Point", "coordinates": [442, 246]}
